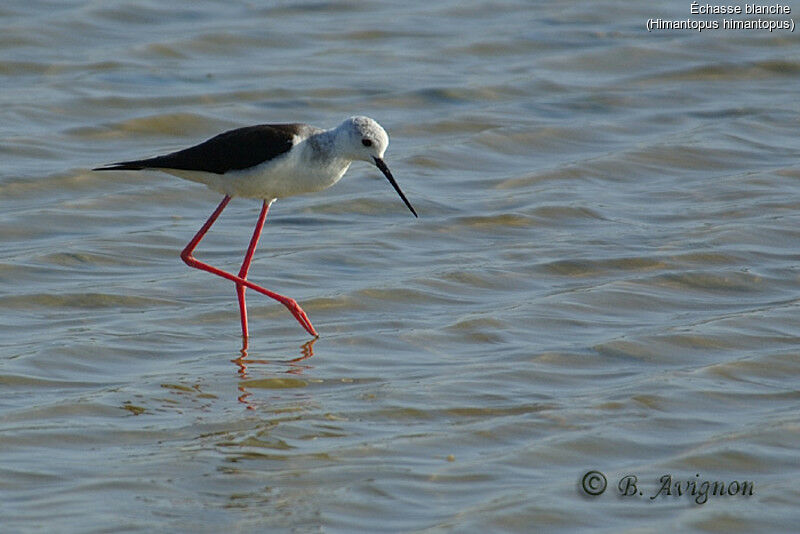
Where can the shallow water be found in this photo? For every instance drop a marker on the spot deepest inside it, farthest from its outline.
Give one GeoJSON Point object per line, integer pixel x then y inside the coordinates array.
{"type": "Point", "coordinates": [604, 275]}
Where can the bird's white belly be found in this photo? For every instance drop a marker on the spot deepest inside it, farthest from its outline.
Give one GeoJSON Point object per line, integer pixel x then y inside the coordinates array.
{"type": "Point", "coordinates": [278, 178]}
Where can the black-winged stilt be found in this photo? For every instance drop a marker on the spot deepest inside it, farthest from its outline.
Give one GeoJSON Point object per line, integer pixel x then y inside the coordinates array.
{"type": "Point", "coordinates": [270, 161]}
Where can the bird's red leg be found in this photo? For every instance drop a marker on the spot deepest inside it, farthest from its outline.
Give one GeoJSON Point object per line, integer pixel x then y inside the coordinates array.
{"type": "Point", "coordinates": [191, 261]}
{"type": "Point", "coordinates": [240, 289]}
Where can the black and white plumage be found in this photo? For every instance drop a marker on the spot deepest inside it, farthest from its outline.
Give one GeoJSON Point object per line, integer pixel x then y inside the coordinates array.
{"type": "Point", "coordinates": [271, 161]}
{"type": "Point", "coordinates": [267, 162]}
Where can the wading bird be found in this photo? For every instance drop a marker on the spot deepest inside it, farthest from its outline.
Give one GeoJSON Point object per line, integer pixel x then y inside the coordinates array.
{"type": "Point", "coordinates": [267, 162]}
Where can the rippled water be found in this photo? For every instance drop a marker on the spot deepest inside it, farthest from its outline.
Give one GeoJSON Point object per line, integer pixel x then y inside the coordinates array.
{"type": "Point", "coordinates": [604, 276]}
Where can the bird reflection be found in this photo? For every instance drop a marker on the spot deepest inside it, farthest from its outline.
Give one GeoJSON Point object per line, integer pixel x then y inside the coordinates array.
{"type": "Point", "coordinates": [292, 366]}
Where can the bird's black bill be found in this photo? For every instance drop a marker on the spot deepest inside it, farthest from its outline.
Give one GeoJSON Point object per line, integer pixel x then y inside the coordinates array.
{"type": "Point", "coordinates": [385, 170]}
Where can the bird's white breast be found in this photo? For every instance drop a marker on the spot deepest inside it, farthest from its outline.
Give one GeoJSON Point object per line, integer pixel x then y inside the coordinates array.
{"type": "Point", "coordinates": [302, 169]}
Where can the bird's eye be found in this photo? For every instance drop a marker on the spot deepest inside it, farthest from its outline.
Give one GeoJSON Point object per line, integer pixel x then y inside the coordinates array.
{"type": "Point", "coordinates": [366, 142]}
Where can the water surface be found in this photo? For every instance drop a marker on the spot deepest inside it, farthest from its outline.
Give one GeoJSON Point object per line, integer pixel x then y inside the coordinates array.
{"type": "Point", "coordinates": [604, 275]}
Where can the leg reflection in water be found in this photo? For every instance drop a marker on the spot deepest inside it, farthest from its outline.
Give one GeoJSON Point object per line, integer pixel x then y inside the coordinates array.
{"type": "Point", "coordinates": [293, 367]}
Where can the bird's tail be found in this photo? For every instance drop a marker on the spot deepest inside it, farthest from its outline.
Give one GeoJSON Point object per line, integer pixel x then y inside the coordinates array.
{"type": "Point", "coordinates": [137, 165]}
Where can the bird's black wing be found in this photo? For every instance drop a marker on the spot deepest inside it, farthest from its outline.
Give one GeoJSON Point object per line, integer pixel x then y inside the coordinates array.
{"type": "Point", "coordinates": [232, 150]}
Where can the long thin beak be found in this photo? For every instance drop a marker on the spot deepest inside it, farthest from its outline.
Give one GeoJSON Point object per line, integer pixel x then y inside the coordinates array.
{"type": "Point", "coordinates": [385, 170]}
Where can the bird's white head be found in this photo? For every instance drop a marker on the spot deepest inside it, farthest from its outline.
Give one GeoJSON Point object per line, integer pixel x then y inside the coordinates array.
{"type": "Point", "coordinates": [361, 138]}
{"type": "Point", "coordinates": [364, 138]}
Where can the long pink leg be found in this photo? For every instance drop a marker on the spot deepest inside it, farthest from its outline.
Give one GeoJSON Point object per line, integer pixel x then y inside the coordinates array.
{"type": "Point", "coordinates": [240, 289]}
{"type": "Point", "coordinates": [191, 261]}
